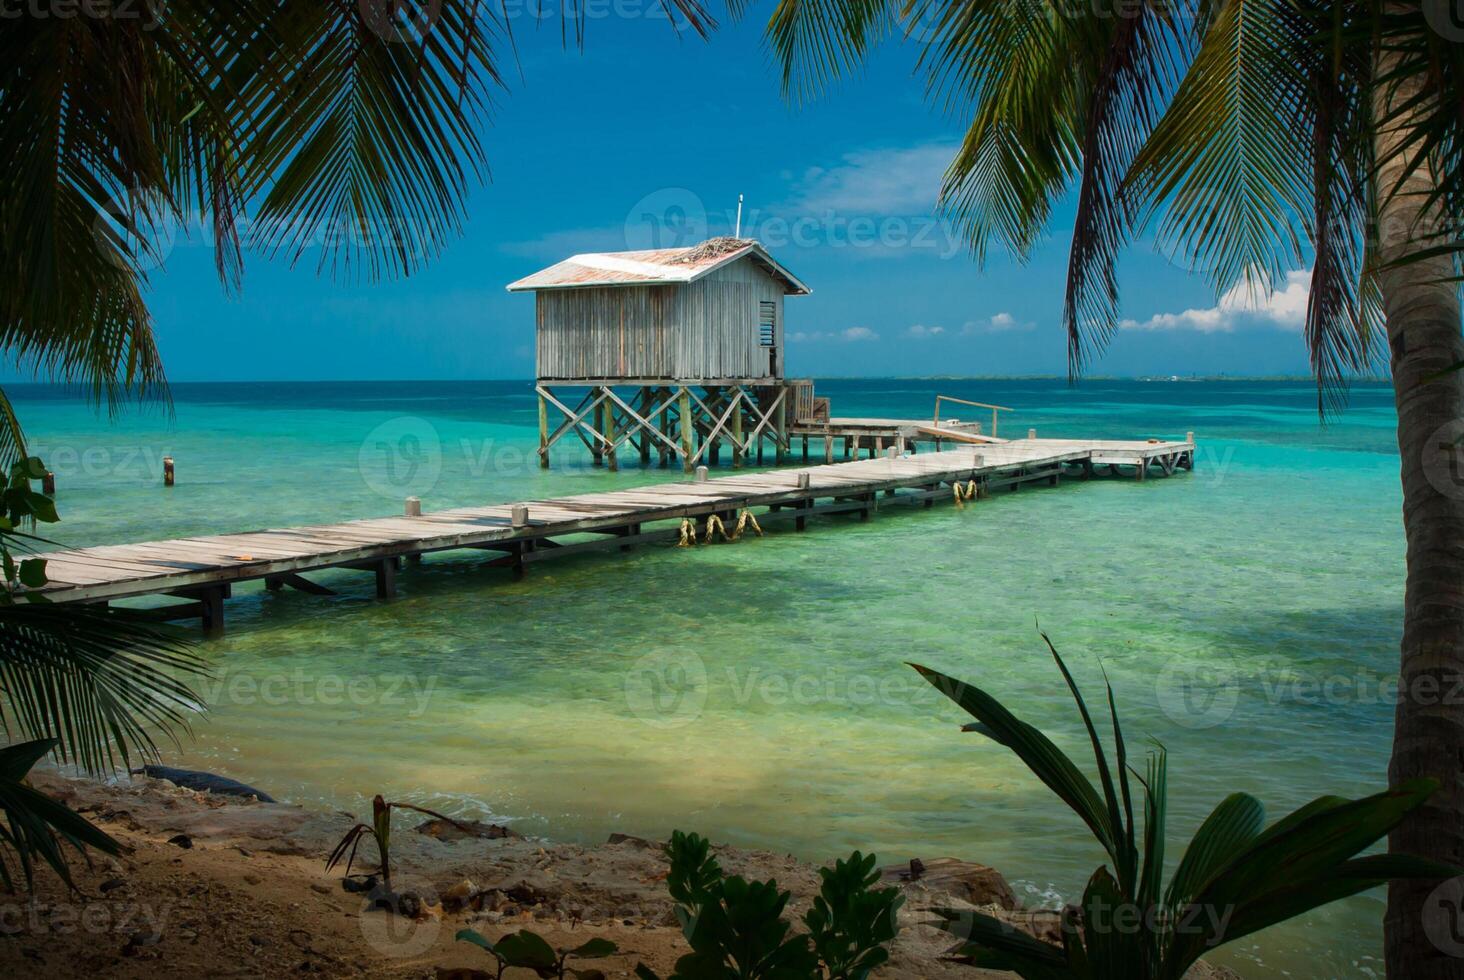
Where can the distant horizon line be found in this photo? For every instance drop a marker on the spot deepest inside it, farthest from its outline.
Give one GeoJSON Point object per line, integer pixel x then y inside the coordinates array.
{"type": "Point", "coordinates": [1170, 377]}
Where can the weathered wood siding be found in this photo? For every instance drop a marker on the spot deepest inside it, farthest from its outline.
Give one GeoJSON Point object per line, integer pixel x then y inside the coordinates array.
{"type": "Point", "coordinates": [705, 329]}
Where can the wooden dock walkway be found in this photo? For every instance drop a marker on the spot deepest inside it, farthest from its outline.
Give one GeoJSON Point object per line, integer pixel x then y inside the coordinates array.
{"type": "Point", "coordinates": [202, 570]}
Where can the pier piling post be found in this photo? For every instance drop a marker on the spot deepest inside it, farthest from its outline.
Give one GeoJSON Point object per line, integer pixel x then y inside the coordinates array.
{"type": "Point", "coordinates": [519, 515]}
{"type": "Point", "coordinates": [1189, 437]}
{"type": "Point", "coordinates": [701, 474]}
{"type": "Point", "coordinates": [828, 449]}
{"type": "Point", "coordinates": [688, 430]}
{"type": "Point", "coordinates": [211, 609]}
{"type": "Point", "coordinates": [413, 507]}
{"type": "Point", "coordinates": [386, 578]}
{"type": "Point", "coordinates": [801, 521]}
{"type": "Point", "coordinates": [805, 449]}
{"type": "Point", "coordinates": [737, 430]}
{"type": "Point", "coordinates": [645, 433]}
{"type": "Point", "coordinates": [780, 424]}
{"type": "Point", "coordinates": [607, 426]}
{"type": "Point", "coordinates": [1031, 433]}
{"type": "Point", "coordinates": [543, 432]}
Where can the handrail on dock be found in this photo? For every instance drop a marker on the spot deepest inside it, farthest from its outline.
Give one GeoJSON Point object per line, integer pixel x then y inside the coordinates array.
{"type": "Point", "coordinates": [995, 409]}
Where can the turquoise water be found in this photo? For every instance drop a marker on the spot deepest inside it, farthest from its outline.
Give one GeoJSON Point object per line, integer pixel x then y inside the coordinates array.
{"type": "Point", "coordinates": [1248, 616]}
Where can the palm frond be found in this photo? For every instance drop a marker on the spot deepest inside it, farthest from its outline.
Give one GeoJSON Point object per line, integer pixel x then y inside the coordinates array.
{"type": "Point", "coordinates": [36, 825]}
{"type": "Point", "coordinates": [816, 42]}
{"type": "Point", "coordinates": [1223, 162]}
{"type": "Point", "coordinates": [1143, 58]}
{"type": "Point", "coordinates": [12, 436]}
{"type": "Point", "coordinates": [96, 680]}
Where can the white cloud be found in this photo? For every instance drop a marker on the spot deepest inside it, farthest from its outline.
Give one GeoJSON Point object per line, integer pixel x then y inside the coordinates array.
{"type": "Point", "coordinates": [999, 323]}
{"type": "Point", "coordinates": [920, 331]}
{"type": "Point", "coordinates": [895, 180]}
{"type": "Point", "coordinates": [849, 335]}
{"type": "Point", "coordinates": [1250, 301]}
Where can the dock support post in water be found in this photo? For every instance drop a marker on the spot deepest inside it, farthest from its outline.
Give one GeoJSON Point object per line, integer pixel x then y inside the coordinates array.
{"type": "Point", "coordinates": [543, 432]}
{"type": "Point", "coordinates": [386, 578]}
{"type": "Point", "coordinates": [646, 407]}
{"type": "Point", "coordinates": [780, 423]}
{"type": "Point", "coordinates": [737, 430]}
{"type": "Point", "coordinates": [688, 431]}
{"type": "Point", "coordinates": [607, 409]}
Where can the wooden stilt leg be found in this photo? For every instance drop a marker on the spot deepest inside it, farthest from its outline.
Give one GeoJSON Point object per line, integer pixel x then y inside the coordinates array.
{"type": "Point", "coordinates": [737, 431]}
{"type": "Point", "coordinates": [646, 408]}
{"type": "Point", "coordinates": [688, 430]}
{"type": "Point", "coordinates": [828, 449]}
{"type": "Point", "coordinates": [780, 423]}
{"type": "Point", "coordinates": [543, 432]}
{"type": "Point", "coordinates": [805, 449]}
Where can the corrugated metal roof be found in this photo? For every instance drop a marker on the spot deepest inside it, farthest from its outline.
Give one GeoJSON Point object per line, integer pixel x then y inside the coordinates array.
{"type": "Point", "coordinates": [665, 266]}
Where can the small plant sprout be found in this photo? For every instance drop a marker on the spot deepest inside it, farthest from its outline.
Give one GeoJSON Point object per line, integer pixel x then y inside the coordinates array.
{"type": "Point", "coordinates": [380, 831]}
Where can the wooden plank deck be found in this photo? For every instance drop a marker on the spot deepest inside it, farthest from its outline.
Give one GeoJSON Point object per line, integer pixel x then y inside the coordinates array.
{"type": "Point", "coordinates": [205, 567]}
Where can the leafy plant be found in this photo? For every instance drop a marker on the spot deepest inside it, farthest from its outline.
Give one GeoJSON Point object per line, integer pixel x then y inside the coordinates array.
{"type": "Point", "coordinates": [90, 684]}
{"type": "Point", "coordinates": [1236, 877]}
{"type": "Point", "coordinates": [380, 831]}
{"type": "Point", "coordinates": [737, 931]}
{"type": "Point", "coordinates": [531, 951]}
{"type": "Point", "coordinates": [850, 922]}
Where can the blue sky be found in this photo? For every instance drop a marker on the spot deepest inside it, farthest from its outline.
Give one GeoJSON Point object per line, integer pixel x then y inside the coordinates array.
{"type": "Point", "coordinates": [646, 138]}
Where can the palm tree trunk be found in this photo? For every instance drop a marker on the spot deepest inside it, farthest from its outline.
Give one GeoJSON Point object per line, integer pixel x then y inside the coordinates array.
{"type": "Point", "coordinates": [1423, 326]}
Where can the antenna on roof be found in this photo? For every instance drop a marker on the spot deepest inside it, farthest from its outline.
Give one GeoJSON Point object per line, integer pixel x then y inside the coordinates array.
{"type": "Point", "coordinates": [738, 232]}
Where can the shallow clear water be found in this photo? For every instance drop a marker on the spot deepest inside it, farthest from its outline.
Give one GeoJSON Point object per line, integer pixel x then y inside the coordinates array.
{"type": "Point", "coordinates": [1248, 616]}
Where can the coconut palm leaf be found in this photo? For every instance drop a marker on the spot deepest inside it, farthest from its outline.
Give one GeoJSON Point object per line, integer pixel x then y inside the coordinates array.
{"type": "Point", "coordinates": [1184, 113]}
{"type": "Point", "coordinates": [342, 126]}
{"type": "Point", "coordinates": [36, 825]}
{"type": "Point", "coordinates": [95, 681]}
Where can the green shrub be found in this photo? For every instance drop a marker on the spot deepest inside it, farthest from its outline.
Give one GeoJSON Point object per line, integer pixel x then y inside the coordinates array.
{"type": "Point", "coordinates": [737, 931]}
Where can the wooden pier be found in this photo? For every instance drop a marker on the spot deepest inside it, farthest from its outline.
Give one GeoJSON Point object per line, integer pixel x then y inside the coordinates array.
{"type": "Point", "coordinates": [202, 570]}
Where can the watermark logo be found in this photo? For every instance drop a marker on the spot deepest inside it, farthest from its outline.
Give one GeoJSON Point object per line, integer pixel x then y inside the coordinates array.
{"type": "Point", "coordinates": [1443, 917]}
{"type": "Point", "coordinates": [1197, 696]}
{"type": "Point", "coordinates": [137, 235]}
{"type": "Point", "coordinates": [405, 922]}
{"type": "Point", "coordinates": [1446, 17]}
{"type": "Point", "coordinates": [667, 688]}
{"type": "Point", "coordinates": [921, 23]}
{"type": "Point", "coordinates": [400, 21]}
{"type": "Point", "coordinates": [1443, 459]}
{"type": "Point", "coordinates": [401, 457]}
{"type": "Point", "coordinates": [672, 217]}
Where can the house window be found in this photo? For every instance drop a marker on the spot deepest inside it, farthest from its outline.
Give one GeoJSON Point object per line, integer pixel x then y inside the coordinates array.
{"type": "Point", "coordinates": [767, 323]}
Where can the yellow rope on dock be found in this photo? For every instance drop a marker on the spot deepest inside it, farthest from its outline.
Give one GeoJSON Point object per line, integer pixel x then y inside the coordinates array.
{"type": "Point", "coordinates": [688, 533]}
{"type": "Point", "coordinates": [744, 520]}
